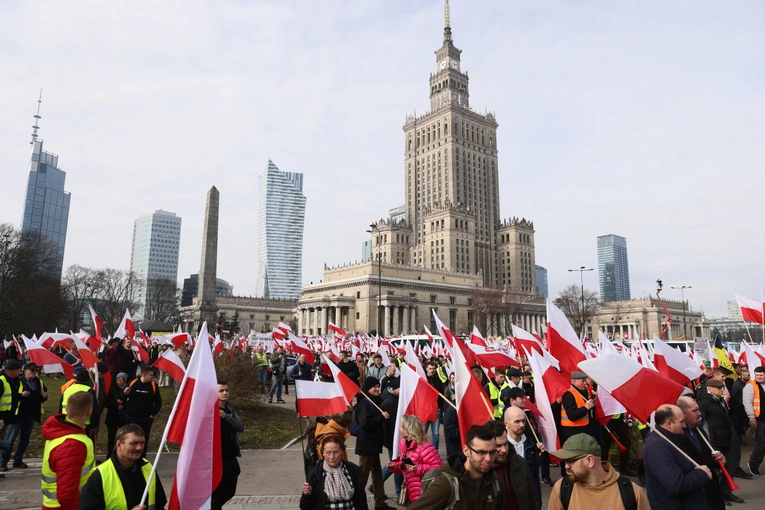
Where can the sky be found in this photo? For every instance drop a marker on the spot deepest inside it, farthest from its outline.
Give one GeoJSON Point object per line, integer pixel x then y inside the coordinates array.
{"type": "Point", "coordinates": [644, 119]}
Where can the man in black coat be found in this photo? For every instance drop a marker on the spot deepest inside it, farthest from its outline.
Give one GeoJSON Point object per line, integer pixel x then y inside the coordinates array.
{"type": "Point", "coordinates": [142, 403]}
{"type": "Point", "coordinates": [348, 367]}
{"type": "Point", "coordinates": [369, 442]}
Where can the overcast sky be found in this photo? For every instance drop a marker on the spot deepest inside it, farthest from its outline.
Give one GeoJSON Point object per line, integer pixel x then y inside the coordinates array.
{"type": "Point", "coordinates": [644, 119]}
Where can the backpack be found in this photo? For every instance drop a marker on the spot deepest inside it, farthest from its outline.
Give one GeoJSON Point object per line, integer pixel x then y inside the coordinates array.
{"type": "Point", "coordinates": [355, 428]}
{"type": "Point", "coordinates": [626, 491]}
{"type": "Point", "coordinates": [454, 483]}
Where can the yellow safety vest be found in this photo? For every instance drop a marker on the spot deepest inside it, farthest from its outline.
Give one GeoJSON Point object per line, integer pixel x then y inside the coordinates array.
{"type": "Point", "coordinates": [48, 478]}
{"type": "Point", "coordinates": [114, 494]}
{"type": "Point", "coordinates": [261, 360]}
{"type": "Point", "coordinates": [495, 393]}
{"type": "Point", "coordinates": [71, 390]}
{"type": "Point", "coordinates": [6, 399]}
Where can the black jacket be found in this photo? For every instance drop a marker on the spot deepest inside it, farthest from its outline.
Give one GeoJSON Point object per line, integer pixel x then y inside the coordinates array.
{"type": "Point", "coordinates": [304, 369]}
{"type": "Point", "coordinates": [112, 406]}
{"type": "Point", "coordinates": [133, 483]}
{"type": "Point", "coordinates": [717, 415]}
{"type": "Point", "coordinates": [389, 405]}
{"type": "Point", "coordinates": [317, 500]}
{"type": "Point", "coordinates": [371, 421]}
{"type": "Point", "coordinates": [32, 405]}
{"type": "Point", "coordinates": [143, 400]}
{"type": "Point", "coordinates": [350, 369]}
{"type": "Point", "coordinates": [516, 473]}
{"type": "Point", "coordinates": [703, 456]}
{"type": "Point", "coordinates": [128, 361]}
{"type": "Point", "coordinates": [10, 416]}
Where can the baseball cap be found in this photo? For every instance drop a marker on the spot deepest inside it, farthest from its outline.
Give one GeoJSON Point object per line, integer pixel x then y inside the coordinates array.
{"type": "Point", "coordinates": [576, 446]}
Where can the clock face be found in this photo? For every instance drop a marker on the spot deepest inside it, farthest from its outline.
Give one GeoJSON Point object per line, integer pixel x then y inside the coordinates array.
{"type": "Point", "coordinates": [443, 64]}
{"type": "Point", "coordinates": [454, 64]}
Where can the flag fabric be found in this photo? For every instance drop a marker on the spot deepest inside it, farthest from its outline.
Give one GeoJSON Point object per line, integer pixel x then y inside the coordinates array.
{"type": "Point", "coordinates": [543, 401]}
{"type": "Point", "coordinates": [526, 341]}
{"type": "Point", "coordinates": [674, 364]}
{"type": "Point", "coordinates": [473, 407]}
{"type": "Point", "coordinates": [476, 337]}
{"type": "Point", "coordinates": [319, 398]}
{"type": "Point", "coordinates": [46, 359]}
{"type": "Point", "coordinates": [127, 327]}
{"type": "Point", "coordinates": [142, 354]}
{"type": "Point", "coordinates": [723, 360]}
{"type": "Point", "coordinates": [172, 364]}
{"type": "Point", "coordinates": [416, 397]}
{"type": "Point", "coordinates": [98, 326]}
{"type": "Point", "coordinates": [89, 359]}
{"type": "Point", "coordinates": [753, 358]}
{"type": "Point", "coordinates": [606, 406]}
{"type": "Point", "coordinates": [93, 343]}
{"type": "Point", "coordinates": [300, 347]}
{"type": "Point", "coordinates": [178, 339]}
{"type": "Point", "coordinates": [562, 341]}
{"type": "Point", "coordinates": [492, 358]}
{"type": "Point", "coordinates": [340, 331]}
{"type": "Point", "coordinates": [413, 362]}
{"type": "Point", "coordinates": [428, 334]}
{"type": "Point", "coordinates": [346, 385]}
{"type": "Point", "coordinates": [640, 390]}
{"type": "Point", "coordinates": [751, 309]}
{"type": "Point", "coordinates": [195, 425]}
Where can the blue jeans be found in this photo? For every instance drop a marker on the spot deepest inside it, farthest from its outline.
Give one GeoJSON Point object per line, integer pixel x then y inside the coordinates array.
{"type": "Point", "coordinates": [23, 430]}
{"type": "Point", "coordinates": [276, 385]}
{"type": "Point", "coordinates": [434, 425]}
{"type": "Point", "coordinates": [398, 480]}
{"type": "Point", "coordinates": [260, 376]}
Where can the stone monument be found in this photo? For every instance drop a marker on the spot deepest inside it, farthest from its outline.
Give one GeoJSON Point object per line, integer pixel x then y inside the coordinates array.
{"type": "Point", "coordinates": [206, 308]}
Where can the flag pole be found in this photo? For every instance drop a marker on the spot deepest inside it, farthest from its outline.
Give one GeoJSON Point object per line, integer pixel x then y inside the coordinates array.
{"type": "Point", "coordinates": [696, 464]}
{"type": "Point", "coordinates": [446, 400]}
{"type": "Point", "coordinates": [370, 401]}
{"type": "Point", "coordinates": [731, 484]}
{"type": "Point", "coordinates": [750, 333]}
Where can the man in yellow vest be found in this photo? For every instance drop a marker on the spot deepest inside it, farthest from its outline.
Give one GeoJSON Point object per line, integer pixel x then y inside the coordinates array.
{"type": "Point", "coordinates": [83, 383]}
{"type": "Point", "coordinates": [754, 392]}
{"type": "Point", "coordinates": [260, 359]}
{"type": "Point", "coordinates": [118, 483]}
{"type": "Point", "coordinates": [68, 459]}
{"type": "Point", "coordinates": [494, 389]}
{"type": "Point", "coordinates": [10, 398]}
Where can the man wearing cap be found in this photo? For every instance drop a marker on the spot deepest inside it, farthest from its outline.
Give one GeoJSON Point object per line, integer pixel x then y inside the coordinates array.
{"type": "Point", "coordinates": [753, 395]}
{"type": "Point", "coordinates": [369, 442]}
{"type": "Point", "coordinates": [577, 413]}
{"type": "Point", "coordinates": [591, 482]}
{"type": "Point", "coordinates": [33, 394]}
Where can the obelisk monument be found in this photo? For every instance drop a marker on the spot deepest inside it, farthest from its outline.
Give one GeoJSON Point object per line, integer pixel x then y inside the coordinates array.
{"type": "Point", "coordinates": [206, 306]}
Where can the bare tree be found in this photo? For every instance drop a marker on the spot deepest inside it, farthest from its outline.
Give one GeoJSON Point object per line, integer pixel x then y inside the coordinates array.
{"type": "Point", "coordinates": [117, 293]}
{"type": "Point", "coordinates": [487, 307]}
{"type": "Point", "coordinates": [162, 299]}
{"type": "Point", "coordinates": [81, 285]}
{"type": "Point", "coordinates": [578, 310]}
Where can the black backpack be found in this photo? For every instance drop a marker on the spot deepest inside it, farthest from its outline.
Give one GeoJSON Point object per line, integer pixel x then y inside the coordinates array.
{"type": "Point", "coordinates": [626, 491]}
{"type": "Point", "coordinates": [354, 428]}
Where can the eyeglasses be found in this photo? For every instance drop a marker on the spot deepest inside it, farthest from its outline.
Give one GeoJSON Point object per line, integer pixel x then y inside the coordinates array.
{"type": "Point", "coordinates": [570, 462]}
{"type": "Point", "coordinates": [484, 453]}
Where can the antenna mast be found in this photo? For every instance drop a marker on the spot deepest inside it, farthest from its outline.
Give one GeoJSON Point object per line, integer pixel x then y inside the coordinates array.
{"type": "Point", "coordinates": [37, 120]}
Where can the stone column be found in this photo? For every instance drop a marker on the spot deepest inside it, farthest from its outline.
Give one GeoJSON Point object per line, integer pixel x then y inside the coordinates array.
{"type": "Point", "coordinates": [338, 317]}
{"type": "Point", "coordinates": [386, 322]}
{"type": "Point", "coordinates": [396, 329]}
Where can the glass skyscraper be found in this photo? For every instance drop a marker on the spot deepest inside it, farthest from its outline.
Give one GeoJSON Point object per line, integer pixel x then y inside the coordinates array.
{"type": "Point", "coordinates": [613, 268]}
{"type": "Point", "coordinates": [46, 209]}
{"type": "Point", "coordinates": [281, 216]}
{"type": "Point", "coordinates": [542, 281]}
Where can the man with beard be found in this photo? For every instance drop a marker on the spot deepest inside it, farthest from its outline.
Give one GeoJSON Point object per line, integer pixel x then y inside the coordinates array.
{"type": "Point", "coordinates": [369, 442]}
{"type": "Point", "coordinates": [591, 482]}
{"type": "Point", "coordinates": [470, 473]}
{"type": "Point", "coordinates": [521, 440]}
{"type": "Point", "coordinates": [519, 492]}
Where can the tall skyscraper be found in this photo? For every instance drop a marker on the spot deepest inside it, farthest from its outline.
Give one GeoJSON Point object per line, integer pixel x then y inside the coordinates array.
{"type": "Point", "coordinates": [281, 216]}
{"type": "Point", "coordinates": [46, 209]}
{"type": "Point", "coordinates": [156, 240]}
{"type": "Point", "coordinates": [397, 213]}
{"type": "Point", "coordinates": [613, 268]}
{"type": "Point", "coordinates": [542, 281]}
{"type": "Point", "coordinates": [366, 251]}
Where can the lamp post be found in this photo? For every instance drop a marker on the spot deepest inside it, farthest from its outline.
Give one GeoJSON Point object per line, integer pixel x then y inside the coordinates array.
{"type": "Point", "coordinates": [374, 228]}
{"type": "Point", "coordinates": [682, 294]}
{"type": "Point", "coordinates": [581, 270]}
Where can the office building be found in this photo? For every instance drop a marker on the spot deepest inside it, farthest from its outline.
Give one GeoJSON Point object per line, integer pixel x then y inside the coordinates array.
{"type": "Point", "coordinates": [191, 289]}
{"type": "Point", "coordinates": [281, 216]}
{"type": "Point", "coordinates": [613, 268]}
{"type": "Point", "coordinates": [366, 251]}
{"type": "Point", "coordinates": [397, 214]}
{"type": "Point", "coordinates": [542, 281]}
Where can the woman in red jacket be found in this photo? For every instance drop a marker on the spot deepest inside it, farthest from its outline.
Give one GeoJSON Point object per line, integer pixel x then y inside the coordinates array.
{"type": "Point", "coordinates": [417, 456]}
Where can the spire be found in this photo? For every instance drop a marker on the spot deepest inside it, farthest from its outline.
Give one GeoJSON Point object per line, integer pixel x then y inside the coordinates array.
{"type": "Point", "coordinates": [37, 120]}
{"type": "Point", "coordinates": [447, 25]}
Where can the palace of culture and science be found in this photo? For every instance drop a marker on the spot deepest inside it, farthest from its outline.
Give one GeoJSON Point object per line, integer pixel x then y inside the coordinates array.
{"type": "Point", "coordinates": [452, 240]}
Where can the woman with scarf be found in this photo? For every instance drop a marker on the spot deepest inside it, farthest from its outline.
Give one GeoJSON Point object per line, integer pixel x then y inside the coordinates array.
{"type": "Point", "coordinates": [334, 483]}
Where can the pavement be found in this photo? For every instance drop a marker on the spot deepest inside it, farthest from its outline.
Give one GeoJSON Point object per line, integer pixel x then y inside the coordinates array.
{"type": "Point", "coordinates": [273, 479]}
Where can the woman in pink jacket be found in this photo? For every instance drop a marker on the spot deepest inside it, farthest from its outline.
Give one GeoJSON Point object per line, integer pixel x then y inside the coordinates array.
{"type": "Point", "coordinates": [417, 456]}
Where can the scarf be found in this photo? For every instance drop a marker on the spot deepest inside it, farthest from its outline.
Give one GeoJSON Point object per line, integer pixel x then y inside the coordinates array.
{"type": "Point", "coordinates": [336, 485]}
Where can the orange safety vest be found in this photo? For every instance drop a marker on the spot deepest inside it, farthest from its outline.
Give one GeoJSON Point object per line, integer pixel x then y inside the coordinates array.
{"type": "Point", "coordinates": [580, 401]}
{"type": "Point", "coordinates": [756, 398]}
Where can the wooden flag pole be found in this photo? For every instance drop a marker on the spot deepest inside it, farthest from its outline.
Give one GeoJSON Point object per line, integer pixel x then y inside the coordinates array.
{"type": "Point", "coordinates": [732, 485]}
{"type": "Point", "coordinates": [370, 401]}
{"type": "Point", "coordinates": [447, 400]}
{"type": "Point", "coordinates": [696, 464]}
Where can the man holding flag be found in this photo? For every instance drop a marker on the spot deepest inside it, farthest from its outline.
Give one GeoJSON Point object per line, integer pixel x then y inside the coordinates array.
{"type": "Point", "coordinates": [230, 426]}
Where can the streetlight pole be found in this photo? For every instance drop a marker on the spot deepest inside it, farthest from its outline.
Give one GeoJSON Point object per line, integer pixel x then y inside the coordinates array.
{"type": "Point", "coordinates": [682, 294]}
{"type": "Point", "coordinates": [581, 270]}
{"type": "Point", "coordinates": [374, 228]}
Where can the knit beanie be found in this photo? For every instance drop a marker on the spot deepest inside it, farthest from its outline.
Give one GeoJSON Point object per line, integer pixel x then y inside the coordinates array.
{"type": "Point", "coordinates": [369, 383]}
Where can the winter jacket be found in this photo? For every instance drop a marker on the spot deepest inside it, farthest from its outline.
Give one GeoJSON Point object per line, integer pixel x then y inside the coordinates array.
{"type": "Point", "coordinates": [452, 431]}
{"type": "Point", "coordinates": [672, 481]}
{"type": "Point", "coordinates": [66, 460]}
{"type": "Point", "coordinates": [703, 456]}
{"type": "Point", "coordinates": [605, 495]}
{"type": "Point", "coordinates": [371, 421]}
{"type": "Point", "coordinates": [438, 495]}
{"type": "Point", "coordinates": [390, 405]}
{"type": "Point", "coordinates": [516, 474]}
{"type": "Point", "coordinates": [425, 457]}
{"type": "Point", "coordinates": [435, 381]}
{"type": "Point", "coordinates": [143, 400]}
{"type": "Point", "coordinates": [317, 500]}
{"type": "Point", "coordinates": [304, 369]}
{"type": "Point", "coordinates": [351, 369]}
{"type": "Point", "coordinates": [112, 406]}
{"type": "Point", "coordinates": [112, 359]}
{"type": "Point", "coordinates": [717, 416]}
{"type": "Point", "coordinates": [128, 361]}
{"type": "Point", "coordinates": [32, 405]}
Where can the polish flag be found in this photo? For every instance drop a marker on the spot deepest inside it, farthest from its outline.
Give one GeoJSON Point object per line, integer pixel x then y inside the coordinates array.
{"type": "Point", "coordinates": [93, 343]}
{"type": "Point", "coordinates": [346, 385]}
{"type": "Point", "coordinates": [43, 357]}
{"type": "Point", "coordinates": [336, 329]}
{"type": "Point", "coordinates": [606, 406]}
{"type": "Point", "coordinates": [178, 339]}
{"type": "Point", "coordinates": [127, 327]}
{"type": "Point", "coordinates": [319, 398]}
{"type": "Point", "coordinates": [89, 359]}
{"type": "Point", "coordinates": [492, 358]}
{"type": "Point", "coordinates": [536, 335]}
{"type": "Point", "coordinates": [195, 425]}
{"type": "Point", "coordinates": [640, 390]}
{"type": "Point", "coordinates": [751, 309]}
{"type": "Point", "coordinates": [447, 336]}
{"type": "Point", "coordinates": [217, 346]}
{"type": "Point", "coordinates": [413, 361]}
{"type": "Point", "coordinates": [562, 341]}
{"type": "Point", "coordinates": [300, 347]}
{"type": "Point", "coordinates": [428, 334]}
{"type": "Point", "coordinates": [544, 374]}
{"type": "Point", "coordinates": [526, 341]}
{"type": "Point", "coordinates": [98, 326]}
{"type": "Point", "coordinates": [53, 340]}
{"type": "Point", "coordinates": [284, 328]}
{"type": "Point", "coordinates": [476, 338]}
{"type": "Point", "coordinates": [674, 364]}
{"type": "Point", "coordinates": [142, 354]}
{"type": "Point", "coordinates": [172, 364]}
{"type": "Point", "coordinates": [473, 406]}
{"type": "Point", "coordinates": [753, 358]}
{"type": "Point", "coordinates": [416, 397]}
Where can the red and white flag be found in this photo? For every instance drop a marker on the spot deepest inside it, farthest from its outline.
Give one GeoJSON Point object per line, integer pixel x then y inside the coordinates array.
{"type": "Point", "coordinates": [416, 397]}
{"type": "Point", "coordinates": [640, 390]}
{"type": "Point", "coordinates": [526, 341]}
{"type": "Point", "coordinates": [300, 347]}
{"type": "Point", "coordinates": [127, 327]}
{"type": "Point", "coordinates": [195, 425]}
{"type": "Point", "coordinates": [606, 406]}
{"type": "Point", "coordinates": [751, 309]}
{"type": "Point", "coordinates": [562, 341]}
{"type": "Point", "coordinates": [544, 376]}
{"type": "Point", "coordinates": [753, 358]}
{"type": "Point", "coordinates": [473, 407]}
{"type": "Point", "coordinates": [428, 334]}
{"type": "Point", "coordinates": [413, 361]}
{"type": "Point", "coordinates": [319, 398]}
{"type": "Point", "coordinates": [492, 359]}
{"type": "Point", "coordinates": [346, 385]}
{"type": "Point", "coordinates": [98, 326]}
{"type": "Point", "coordinates": [43, 357]}
{"type": "Point", "coordinates": [89, 359]}
{"type": "Point", "coordinates": [476, 337]}
{"type": "Point", "coordinates": [340, 331]}
{"type": "Point", "coordinates": [172, 364]}
{"type": "Point", "coordinates": [284, 328]}
{"type": "Point", "coordinates": [674, 364]}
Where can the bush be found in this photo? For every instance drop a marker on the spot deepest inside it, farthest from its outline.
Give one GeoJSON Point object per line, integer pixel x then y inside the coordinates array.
{"type": "Point", "coordinates": [241, 376]}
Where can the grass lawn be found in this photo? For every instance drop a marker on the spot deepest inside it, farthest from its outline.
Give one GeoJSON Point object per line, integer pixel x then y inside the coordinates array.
{"type": "Point", "coordinates": [265, 427]}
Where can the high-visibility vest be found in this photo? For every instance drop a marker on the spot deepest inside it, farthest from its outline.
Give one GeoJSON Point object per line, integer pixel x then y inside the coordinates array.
{"type": "Point", "coordinates": [494, 394]}
{"type": "Point", "coordinates": [71, 390]}
{"type": "Point", "coordinates": [6, 399]}
{"type": "Point", "coordinates": [756, 398]}
{"type": "Point", "coordinates": [48, 478]}
{"type": "Point", "coordinates": [580, 401]}
{"type": "Point", "coordinates": [441, 371]}
{"type": "Point", "coordinates": [114, 494]}
{"type": "Point", "coordinates": [261, 360]}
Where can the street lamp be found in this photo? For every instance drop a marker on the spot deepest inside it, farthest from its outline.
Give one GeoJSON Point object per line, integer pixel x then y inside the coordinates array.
{"type": "Point", "coordinates": [581, 270]}
{"type": "Point", "coordinates": [373, 227]}
{"type": "Point", "coordinates": [682, 294]}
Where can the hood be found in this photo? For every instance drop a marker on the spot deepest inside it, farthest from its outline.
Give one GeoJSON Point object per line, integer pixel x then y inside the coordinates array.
{"type": "Point", "coordinates": [56, 426]}
{"type": "Point", "coordinates": [331, 428]}
{"type": "Point", "coordinates": [612, 476]}
{"type": "Point", "coordinates": [455, 464]}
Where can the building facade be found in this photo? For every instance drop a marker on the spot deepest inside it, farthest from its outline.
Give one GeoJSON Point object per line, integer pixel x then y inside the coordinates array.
{"type": "Point", "coordinates": [366, 251]}
{"type": "Point", "coordinates": [191, 289]}
{"type": "Point", "coordinates": [644, 318]}
{"type": "Point", "coordinates": [397, 214]}
{"type": "Point", "coordinates": [542, 287]}
{"type": "Point", "coordinates": [613, 268]}
{"type": "Point", "coordinates": [281, 216]}
{"type": "Point", "coordinates": [250, 314]}
{"type": "Point", "coordinates": [154, 254]}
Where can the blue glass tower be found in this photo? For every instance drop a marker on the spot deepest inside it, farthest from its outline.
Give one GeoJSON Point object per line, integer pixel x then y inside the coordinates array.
{"type": "Point", "coordinates": [613, 268]}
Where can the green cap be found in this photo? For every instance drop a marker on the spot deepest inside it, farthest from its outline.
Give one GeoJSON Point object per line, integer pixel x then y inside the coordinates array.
{"type": "Point", "coordinates": [576, 446]}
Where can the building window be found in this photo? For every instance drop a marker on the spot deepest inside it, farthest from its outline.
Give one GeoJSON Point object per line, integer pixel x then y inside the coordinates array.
{"type": "Point", "coordinates": [452, 300]}
{"type": "Point", "coordinates": [357, 315]}
{"type": "Point", "coordinates": [432, 298]}
{"type": "Point", "coordinates": [358, 296]}
{"type": "Point", "coordinates": [252, 316]}
{"type": "Point", "coordinates": [453, 320]}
